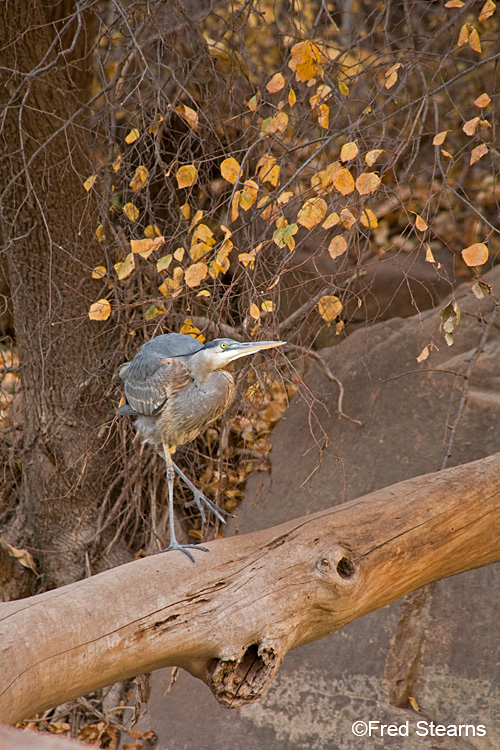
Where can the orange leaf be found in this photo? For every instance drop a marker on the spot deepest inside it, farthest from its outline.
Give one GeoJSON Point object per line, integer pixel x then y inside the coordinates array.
{"type": "Point", "coordinates": [312, 212]}
{"type": "Point", "coordinates": [331, 221]}
{"type": "Point", "coordinates": [278, 123]}
{"type": "Point", "coordinates": [186, 176]}
{"type": "Point", "coordinates": [276, 83]}
{"type": "Point", "coordinates": [454, 4]}
{"type": "Point", "coordinates": [463, 37]}
{"type": "Point", "coordinates": [349, 151]}
{"type": "Point", "coordinates": [372, 156]}
{"type": "Point", "coordinates": [291, 97]}
{"type": "Point", "coordinates": [254, 311]}
{"type": "Point", "coordinates": [329, 307]}
{"type": "Point", "coordinates": [195, 274]}
{"type": "Point", "coordinates": [100, 310]}
{"type": "Point", "coordinates": [230, 169]}
{"type": "Point", "coordinates": [367, 183]}
{"type": "Point", "coordinates": [420, 223]}
{"type": "Point", "coordinates": [478, 153]}
{"type": "Point", "coordinates": [368, 219]}
{"type": "Point", "coordinates": [482, 101]}
{"type": "Point", "coordinates": [470, 126]}
{"type": "Point", "coordinates": [487, 10]}
{"type": "Point", "coordinates": [474, 41]}
{"type": "Point", "coordinates": [132, 136]}
{"type": "Point", "coordinates": [476, 254]}
{"type": "Point", "coordinates": [347, 218]}
{"type": "Point", "coordinates": [131, 211]}
{"type": "Point", "coordinates": [343, 181]}
{"type": "Point", "coordinates": [337, 246]}
{"type": "Point", "coordinates": [144, 248]}
{"type": "Point", "coordinates": [438, 139]}
{"type": "Point", "coordinates": [305, 60]}
{"type": "Point", "coordinates": [235, 205]}
{"type": "Point", "coordinates": [139, 179]}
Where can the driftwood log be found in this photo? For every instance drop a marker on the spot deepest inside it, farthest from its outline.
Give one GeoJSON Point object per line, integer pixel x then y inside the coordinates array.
{"type": "Point", "coordinates": [231, 618]}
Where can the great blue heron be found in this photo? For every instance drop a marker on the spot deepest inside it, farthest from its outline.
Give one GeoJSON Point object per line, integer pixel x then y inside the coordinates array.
{"type": "Point", "coordinates": [175, 387]}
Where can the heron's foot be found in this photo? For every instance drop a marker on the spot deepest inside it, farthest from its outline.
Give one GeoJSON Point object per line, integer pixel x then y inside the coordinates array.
{"type": "Point", "coordinates": [200, 500]}
{"type": "Point", "coordinates": [174, 544]}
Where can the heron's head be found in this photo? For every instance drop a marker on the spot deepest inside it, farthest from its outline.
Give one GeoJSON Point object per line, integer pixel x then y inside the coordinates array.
{"type": "Point", "coordinates": [221, 352]}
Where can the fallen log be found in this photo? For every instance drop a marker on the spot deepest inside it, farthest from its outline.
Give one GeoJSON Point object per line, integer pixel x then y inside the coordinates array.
{"type": "Point", "coordinates": [231, 618]}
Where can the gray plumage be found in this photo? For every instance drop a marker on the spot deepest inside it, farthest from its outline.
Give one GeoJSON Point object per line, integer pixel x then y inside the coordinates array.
{"type": "Point", "coordinates": [176, 387]}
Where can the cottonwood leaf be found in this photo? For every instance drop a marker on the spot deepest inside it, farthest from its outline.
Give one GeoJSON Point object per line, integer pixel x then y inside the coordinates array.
{"type": "Point", "coordinates": [331, 220]}
{"type": "Point", "coordinates": [478, 153]}
{"type": "Point", "coordinates": [474, 41]}
{"type": "Point", "coordinates": [276, 83]}
{"type": "Point", "coordinates": [131, 211]}
{"type": "Point", "coordinates": [100, 310]}
{"type": "Point", "coordinates": [372, 156]}
{"type": "Point", "coordinates": [482, 101]}
{"type": "Point", "coordinates": [305, 60]}
{"type": "Point", "coordinates": [368, 219]}
{"type": "Point", "coordinates": [125, 268]}
{"type": "Point", "coordinates": [420, 223]}
{"type": "Point", "coordinates": [230, 169]}
{"type": "Point", "coordinates": [343, 181]}
{"type": "Point", "coordinates": [329, 307]}
{"type": "Point", "coordinates": [186, 176]}
{"type": "Point", "coordinates": [195, 274]}
{"type": "Point", "coordinates": [439, 138]}
{"type": "Point", "coordinates": [312, 212]}
{"type": "Point", "coordinates": [367, 182]}
{"type": "Point", "coordinates": [349, 151]}
{"type": "Point", "coordinates": [267, 305]}
{"type": "Point", "coordinates": [347, 218]}
{"type": "Point", "coordinates": [487, 10]}
{"type": "Point", "coordinates": [140, 178]}
{"type": "Point", "coordinates": [132, 135]}
{"type": "Point", "coordinates": [89, 182]}
{"type": "Point", "coordinates": [337, 246]}
{"type": "Point", "coordinates": [99, 272]}
{"type": "Point", "coordinates": [476, 254]}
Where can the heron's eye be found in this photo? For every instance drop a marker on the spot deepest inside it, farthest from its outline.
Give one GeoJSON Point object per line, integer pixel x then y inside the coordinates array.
{"type": "Point", "coordinates": [223, 345]}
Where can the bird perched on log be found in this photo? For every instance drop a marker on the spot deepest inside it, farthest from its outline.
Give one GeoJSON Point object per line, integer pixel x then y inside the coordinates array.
{"type": "Point", "coordinates": [176, 387]}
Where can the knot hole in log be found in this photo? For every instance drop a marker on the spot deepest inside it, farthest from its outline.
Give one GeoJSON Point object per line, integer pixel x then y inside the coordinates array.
{"type": "Point", "coordinates": [235, 682]}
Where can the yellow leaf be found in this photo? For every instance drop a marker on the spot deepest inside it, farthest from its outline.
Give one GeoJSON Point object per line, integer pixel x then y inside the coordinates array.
{"type": "Point", "coordinates": [367, 183]}
{"type": "Point", "coordinates": [329, 307]}
{"type": "Point", "coordinates": [186, 176]}
{"type": "Point", "coordinates": [331, 221]}
{"type": "Point", "coordinates": [347, 219]}
{"type": "Point", "coordinates": [368, 219]}
{"type": "Point", "coordinates": [117, 163]}
{"type": "Point", "coordinates": [144, 248]}
{"type": "Point", "coordinates": [100, 310]}
{"type": "Point", "coordinates": [152, 231]}
{"type": "Point", "coordinates": [291, 97]}
{"type": "Point", "coordinates": [154, 128]}
{"type": "Point", "coordinates": [423, 354]}
{"type": "Point", "coordinates": [163, 263]}
{"type": "Point", "coordinates": [478, 153]}
{"type": "Point", "coordinates": [276, 83]}
{"type": "Point", "coordinates": [343, 181]}
{"type": "Point", "coordinates": [189, 115]}
{"type": "Point", "coordinates": [337, 247]}
{"type": "Point", "coordinates": [99, 272]}
{"type": "Point", "coordinates": [203, 233]}
{"type": "Point", "coordinates": [267, 306]}
{"type": "Point", "coordinates": [230, 169]}
{"type": "Point", "coordinates": [179, 254]}
{"type": "Point", "coordinates": [139, 179]}
{"type": "Point", "coordinates": [482, 101]}
{"type": "Point", "coordinates": [195, 274]}
{"type": "Point", "coordinates": [487, 10]}
{"type": "Point", "coordinates": [429, 257]}
{"type": "Point", "coordinates": [284, 197]}
{"type": "Point", "coordinates": [89, 182]}
{"type": "Point", "coordinates": [323, 115]}
{"type": "Point", "coordinates": [125, 268]}
{"type": "Point", "coordinates": [312, 212]}
{"type": "Point", "coordinates": [131, 211]}
{"type": "Point", "coordinates": [132, 136]}
{"type": "Point", "coordinates": [305, 60]}
{"type": "Point", "coordinates": [454, 4]}
{"type": "Point", "coordinates": [196, 218]}
{"type": "Point", "coordinates": [203, 293]}
{"type": "Point", "coordinates": [446, 153]}
{"type": "Point", "coordinates": [253, 103]}
{"type": "Point", "coordinates": [420, 223]}
{"type": "Point", "coordinates": [278, 123]}
{"type": "Point", "coordinates": [372, 156]}
{"type": "Point", "coordinates": [476, 254]}
{"type": "Point", "coordinates": [392, 75]}
{"type": "Point", "coordinates": [349, 151]}
{"type": "Point", "coordinates": [254, 311]}
{"type": "Point", "coordinates": [474, 41]}
{"type": "Point", "coordinates": [189, 329]}
{"type": "Point", "coordinates": [438, 139]}
{"type": "Point", "coordinates": [463, 37]}
{"type": "Point", "coordinates": [186, 211]}
{"type": "Point", "coordinates": [199, 250]}
{"type": "Point", "coordinates": [249, 258]}
{"type": "Point", "coordinates": [235, 205]}
{"type": "Point", "coordinates": [99, 232]}
{"type": "Point", "coordinates": [470, 126]}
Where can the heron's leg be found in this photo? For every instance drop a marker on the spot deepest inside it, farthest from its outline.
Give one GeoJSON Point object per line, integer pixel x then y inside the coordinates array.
{"type": "Point", "coordinates": [174, 544]}
{"type": "Point", "coordinates": [199, 499]}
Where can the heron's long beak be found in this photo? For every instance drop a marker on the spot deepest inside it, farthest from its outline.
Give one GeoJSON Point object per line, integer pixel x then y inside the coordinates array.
{"type": "Point", "coordinates": [237, 350]}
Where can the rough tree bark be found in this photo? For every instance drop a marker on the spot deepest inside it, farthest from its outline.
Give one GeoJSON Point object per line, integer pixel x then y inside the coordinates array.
{"type": "Point", "coordinates": [231, 618]}
{"type": "Point", "coordinates": [50, 249]}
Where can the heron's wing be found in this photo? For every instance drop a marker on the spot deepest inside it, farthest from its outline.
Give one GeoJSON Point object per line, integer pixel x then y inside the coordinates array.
{"type": "Point", "coordinates": [150, 383]}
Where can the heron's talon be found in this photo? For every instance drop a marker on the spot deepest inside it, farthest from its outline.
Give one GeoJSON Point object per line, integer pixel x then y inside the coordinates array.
{"type": "Point", "coordinates": [182, 547]}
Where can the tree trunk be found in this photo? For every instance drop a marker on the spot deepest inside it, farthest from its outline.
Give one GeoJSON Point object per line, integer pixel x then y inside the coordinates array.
{"type": "Point", "coordinates": [48, 223]}
{"type": "Point", "coordinates": [231, 618]}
